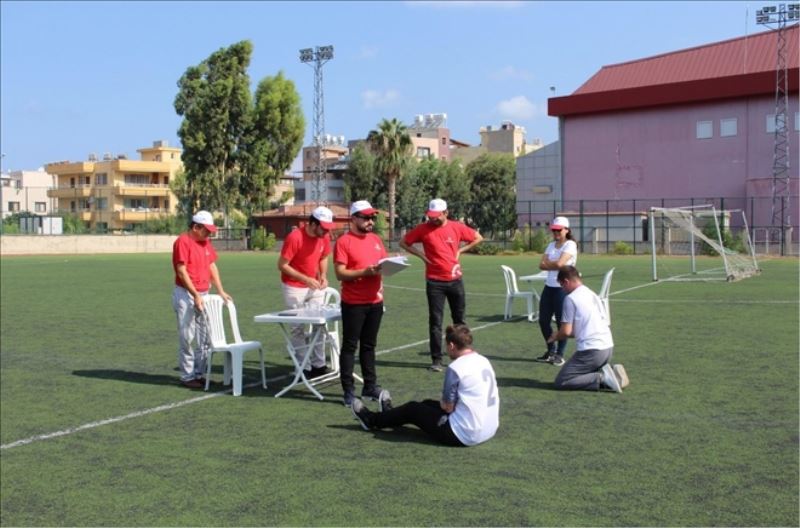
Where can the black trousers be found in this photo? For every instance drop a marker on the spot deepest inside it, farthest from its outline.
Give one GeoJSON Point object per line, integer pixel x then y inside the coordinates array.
{"type": "Point", "coordinates": [427, 415]}
{"type": "Point", "coordinates": [438, 292]}
{"type": "Point", "coordinates": [360, 325]}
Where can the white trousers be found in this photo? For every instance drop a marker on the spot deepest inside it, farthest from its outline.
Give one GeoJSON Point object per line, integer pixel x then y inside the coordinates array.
{"type": "Point", "coordinates": [295, 297]}
{"type": "Point", "coordinates": [191, 324]}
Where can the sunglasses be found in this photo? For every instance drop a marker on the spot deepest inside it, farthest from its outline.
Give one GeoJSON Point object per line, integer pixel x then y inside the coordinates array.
{"type": "Point", "coordinates": [556, 229]}
{"type": "Point", "coordinates": [363, 217]}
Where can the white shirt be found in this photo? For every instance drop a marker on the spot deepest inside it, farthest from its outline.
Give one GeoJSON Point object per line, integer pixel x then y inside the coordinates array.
{"type": "Point", "coordinates": [470, 382]}
{"type": "Point", "coordinates": [587, 314]}
{"type": "Point", "coordinates": [554, 254]}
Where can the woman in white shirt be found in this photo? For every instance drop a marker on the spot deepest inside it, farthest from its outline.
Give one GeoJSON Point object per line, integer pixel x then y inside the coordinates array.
{"type": "Point", "coordinates": [562, 251]}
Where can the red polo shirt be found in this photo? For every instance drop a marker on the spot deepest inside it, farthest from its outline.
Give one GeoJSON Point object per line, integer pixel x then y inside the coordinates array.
{"type": "Point", "coordinates": [441, 247]}
{"type": "Point", "coordinates": [359, 252]}
{"type": "Point", "coordinates": [197, 256]}
{"type": "Point", "coordinates": [304, 253]}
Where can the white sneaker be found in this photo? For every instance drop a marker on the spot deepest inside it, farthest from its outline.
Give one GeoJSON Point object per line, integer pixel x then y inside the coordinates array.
{"type": "Point", "coordinates": [622, 376]}
{"type": "Point", "coordinates": [610, 379]}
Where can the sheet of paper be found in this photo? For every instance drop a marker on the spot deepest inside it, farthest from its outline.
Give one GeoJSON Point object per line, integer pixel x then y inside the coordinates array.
{"type": "Point", "coordinates": [391, 265]}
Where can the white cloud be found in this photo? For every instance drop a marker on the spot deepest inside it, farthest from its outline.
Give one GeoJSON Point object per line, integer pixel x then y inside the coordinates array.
{"type": "Point", "coordinates": [377, 99]}
{"type": "Point", "coordinates": [511, 73]}
{"type": "Point", "coordinates": [368, 52]}
{"type": "Point", "coordinates": [517, 108]}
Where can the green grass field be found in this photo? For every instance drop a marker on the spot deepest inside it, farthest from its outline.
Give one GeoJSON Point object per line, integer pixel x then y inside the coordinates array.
{"type": "Point", "coordinates": [706, 435]}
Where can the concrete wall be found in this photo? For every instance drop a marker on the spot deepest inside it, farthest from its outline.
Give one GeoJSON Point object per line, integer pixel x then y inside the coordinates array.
{"type": "Point", "coordinates": [84, 244]}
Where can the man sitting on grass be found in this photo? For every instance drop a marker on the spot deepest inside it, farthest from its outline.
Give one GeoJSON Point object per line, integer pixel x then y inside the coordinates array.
{"type": "Point", "coordinates": [585, 318]}
{"type": "Point", "coordinates": [468, 412]}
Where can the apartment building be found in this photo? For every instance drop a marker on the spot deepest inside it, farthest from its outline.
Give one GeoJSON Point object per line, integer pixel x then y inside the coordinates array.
{"type": "Point", "coordinates": [507, 138]}
{"type": "Point", "coordinates": [333, 152]}
{"type": "Point", "coordinates": [26, 191]}
{"type": "Point", "coordinates": [116, 193]}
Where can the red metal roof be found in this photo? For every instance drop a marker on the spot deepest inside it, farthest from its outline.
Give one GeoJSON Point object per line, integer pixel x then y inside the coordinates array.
{"type": "Point", "coordinates": [730, 68]}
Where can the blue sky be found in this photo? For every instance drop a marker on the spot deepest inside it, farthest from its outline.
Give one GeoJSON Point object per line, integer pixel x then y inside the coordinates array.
{"type": "Point", "coordinates": [96, 77]}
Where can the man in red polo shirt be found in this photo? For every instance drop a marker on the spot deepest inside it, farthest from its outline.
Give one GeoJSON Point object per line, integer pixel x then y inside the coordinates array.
{"type": "Point", "coordinates": [304, 276]}
{"type": "Point", "coordinates": [193, 259]}
{"type": "Point", "coordinates": [441, 240]}
{"type": "Point", "coordinates": [356, 262]}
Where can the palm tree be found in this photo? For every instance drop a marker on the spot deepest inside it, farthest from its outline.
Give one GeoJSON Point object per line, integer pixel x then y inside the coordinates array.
{"type": "Point", "coordinates": [391, 145]}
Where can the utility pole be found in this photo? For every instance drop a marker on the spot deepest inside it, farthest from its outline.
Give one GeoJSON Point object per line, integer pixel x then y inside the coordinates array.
{"type": "Point", "coordinates": [317, 57]}
{"type": "Point", "coordinates": [775, 17]}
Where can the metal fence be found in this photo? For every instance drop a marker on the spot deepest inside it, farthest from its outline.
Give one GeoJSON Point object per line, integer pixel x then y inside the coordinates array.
{"type": "Point", "coordinates": [597, 225]}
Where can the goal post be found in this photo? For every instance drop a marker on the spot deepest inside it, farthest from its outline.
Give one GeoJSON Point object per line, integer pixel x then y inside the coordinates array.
{"type": "Point", "coordinates": [696, 243]}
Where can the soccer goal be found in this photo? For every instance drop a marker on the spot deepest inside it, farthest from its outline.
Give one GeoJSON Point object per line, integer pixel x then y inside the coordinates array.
{"type": "Point", "coordinates": [697, 244]}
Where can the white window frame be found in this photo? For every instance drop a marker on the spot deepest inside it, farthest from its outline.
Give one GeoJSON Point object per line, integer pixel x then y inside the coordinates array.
{"type": "Point", "coordinates": [704, 130]}
{"type": "Point", "coordinates": [40, 207]}
{"type": "Point", "coordinates": [728, 127]}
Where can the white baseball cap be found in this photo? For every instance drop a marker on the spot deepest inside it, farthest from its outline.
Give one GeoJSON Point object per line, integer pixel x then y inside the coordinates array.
{"type": "Point", "coordinates": [559, 222]}
{"type": "Point", "coordinates": [362, 207]}
{"type": "Point", "coordinates": [205, 218]}
{"type": "Point", "coordinates": [436, 207]}
{"type": "Point", "coordinates": [325, 217]}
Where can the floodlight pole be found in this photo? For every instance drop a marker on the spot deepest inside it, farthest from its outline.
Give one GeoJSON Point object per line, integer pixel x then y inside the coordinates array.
{"type": "Point", "coordinates": [317, 57]}
{"type": "Point", "coordinates": [770, 16]}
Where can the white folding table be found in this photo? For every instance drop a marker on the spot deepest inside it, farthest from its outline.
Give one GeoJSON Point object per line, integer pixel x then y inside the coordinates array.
{"type": "Point", "coordinates": [533, 279]}
{"type": "Point", "coordinates": [318, 318]}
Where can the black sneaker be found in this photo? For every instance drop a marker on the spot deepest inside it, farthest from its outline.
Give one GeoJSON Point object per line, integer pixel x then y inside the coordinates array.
{"type": "Point", "coordinates": [317, 372]}
{"type": "Point", "coordinates": [349, 398]}
{"type": "Point", "coordinates": [545, 358]}
{"type": "Point", "coordinates": [436, 366]}
{"type": "Point", "coordinates": [556, 360]}
{"type": "Point", "coordinates": [373, 393]}
{"type": "Point", "coordinates": [385, 401]}
{"type": "Point", "coordinates": [362, 414]}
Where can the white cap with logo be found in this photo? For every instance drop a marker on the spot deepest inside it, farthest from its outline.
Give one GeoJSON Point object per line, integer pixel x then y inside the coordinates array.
{"type": "Point", "coordinates": [559, 223]}
{"type": "Point", "coordinates": [205, 218]}
{"type": "Point", "coordinates": [362, 207]}
{"type": "Point", "coordinates": [436, 207]}
{"type": "Point", "coordinates": [325, 217]}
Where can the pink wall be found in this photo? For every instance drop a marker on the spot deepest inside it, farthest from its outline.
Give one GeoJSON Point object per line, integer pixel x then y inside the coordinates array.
{"type": "Point", "coordinates": [653, 153]}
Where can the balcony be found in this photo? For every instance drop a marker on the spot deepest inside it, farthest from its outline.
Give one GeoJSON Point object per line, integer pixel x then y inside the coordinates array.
{"type": "Point", "coordinates": [70, 191]}
{"type": "Point", "coordinates": [142, 189]}
{"type": "Point", "coordinates": [139, 214]}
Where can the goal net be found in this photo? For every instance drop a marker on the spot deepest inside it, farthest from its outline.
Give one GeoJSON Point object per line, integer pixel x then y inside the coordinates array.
{"type": "Point", "coordinates": [700, 243]}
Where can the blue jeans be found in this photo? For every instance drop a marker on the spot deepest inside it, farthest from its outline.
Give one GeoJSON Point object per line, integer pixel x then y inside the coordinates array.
{"type": "Point", "coordinates": [551, 303]}
{"type": "Point", "coordinates": [438, 292]}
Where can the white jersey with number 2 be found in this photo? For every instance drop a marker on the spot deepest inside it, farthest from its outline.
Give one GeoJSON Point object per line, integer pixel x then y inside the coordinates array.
{"type": "Point", "coordinates": [470, 381]}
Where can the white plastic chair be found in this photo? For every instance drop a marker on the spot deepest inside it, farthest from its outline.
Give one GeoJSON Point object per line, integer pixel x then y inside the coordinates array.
{"type": "Point", "coordinates": [605, 289]}
{"type": "Point", "coordinates": [512, 292]}
{"type": "Point", "coordinates": [234, 357]}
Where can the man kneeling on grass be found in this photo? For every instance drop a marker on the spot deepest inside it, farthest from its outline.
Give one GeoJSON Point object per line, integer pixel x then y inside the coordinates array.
{"type": "Point", "coordinates": [585, 317]}
{"type": "Point", "coordinates": [468, 413]}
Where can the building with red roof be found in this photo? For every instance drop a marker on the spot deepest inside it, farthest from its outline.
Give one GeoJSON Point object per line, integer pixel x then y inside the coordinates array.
{"type": "Point", "coordinates": [692, 123]}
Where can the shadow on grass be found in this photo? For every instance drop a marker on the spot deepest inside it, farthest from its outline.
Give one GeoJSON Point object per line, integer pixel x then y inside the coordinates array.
{"type": "Point", "coordinates": [398, 435]}
{"type": "Point", "coordinates": [526, 383]}
{"type": "Point", "coordinates": [250, 375]}
{"type": "Point", "coordinates": [526, 359]}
